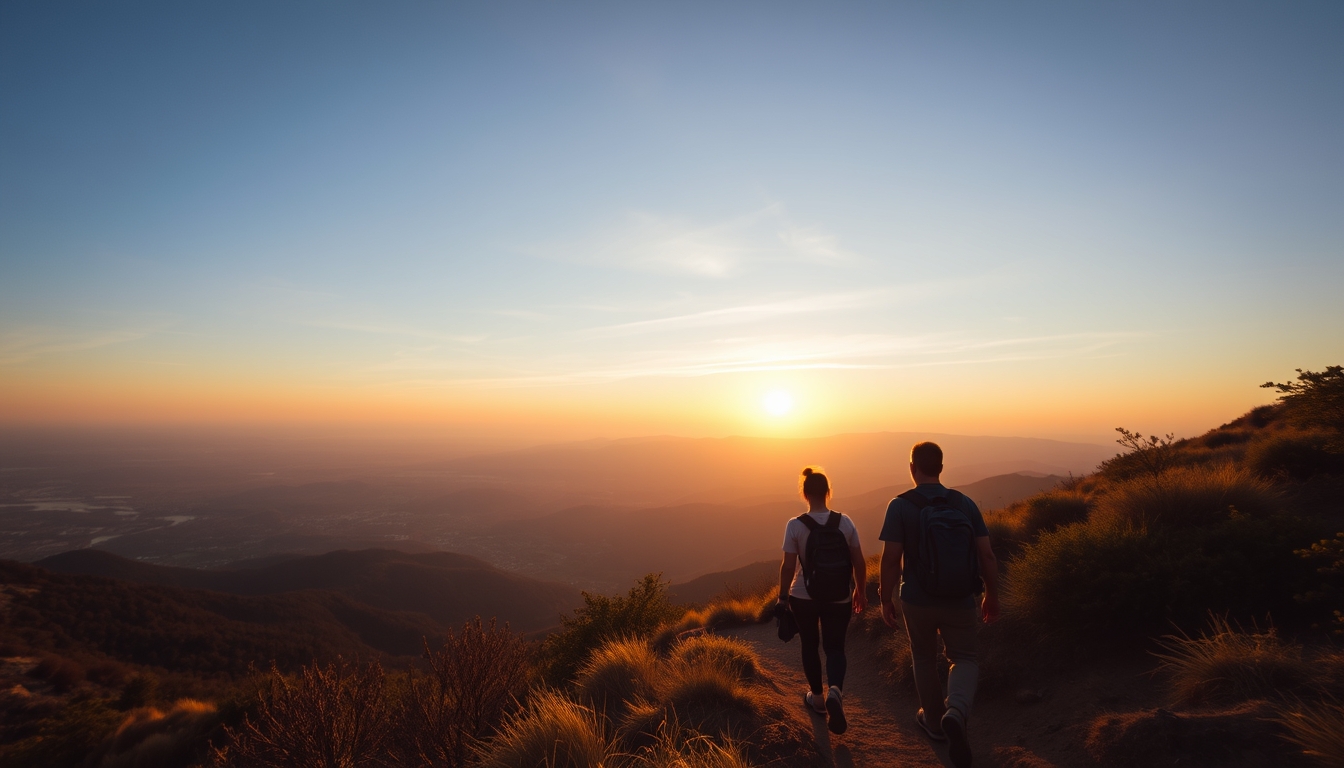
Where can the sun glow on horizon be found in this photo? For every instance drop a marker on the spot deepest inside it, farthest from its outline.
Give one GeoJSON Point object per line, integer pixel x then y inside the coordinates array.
{"type": "Point", "coordinates": [777, 402]}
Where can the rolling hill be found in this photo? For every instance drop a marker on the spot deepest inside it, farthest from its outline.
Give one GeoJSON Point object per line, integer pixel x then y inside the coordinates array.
{"type": "Point", "coordinates": [445, 587]}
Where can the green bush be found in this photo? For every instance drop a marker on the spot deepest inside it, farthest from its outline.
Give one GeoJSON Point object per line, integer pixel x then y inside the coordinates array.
{"type": "Point", "coordinates": [1295, 455]}
{"type": "Point", "coordinates": [1187, 496]}
{"type": "Point", "coordinates": [1025, 520]}
{"type": "Point", "coordinates": [1326, 592]}
{"type": "Point", "coordinates": [1108, 579]}
{"type": "Point", "coordinates": [639, 614]}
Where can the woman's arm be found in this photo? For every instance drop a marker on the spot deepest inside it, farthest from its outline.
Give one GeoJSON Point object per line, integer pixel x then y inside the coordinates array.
{"type": "Point", "coordinates": [860, 578]}
{"type": "Point", "coordinates": [786, 570]}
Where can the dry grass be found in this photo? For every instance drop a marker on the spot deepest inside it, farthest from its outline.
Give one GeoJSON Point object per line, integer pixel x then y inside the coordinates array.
{"type": "Point", "coordinates": [677, 748]}
{"type": "Point", "coordinates": [1318, 729]}
{"type": "Point", "coordinates": [726, 653]}
{"type": "Point", "coordinates": [1228, 664]}
{"type": "Point", "coordinates": [708, 699]}
{"type": "Point", "coordinates": [150, 736]}
{"type": "Point", "coordinates": [617, 674]}
{"type": "Point", "coordinates": [1187, 496]}
{"type": "Point", "coordinates": [553, 732]}
{"type": "Point", "coordinates": [727, 612]}
{"type": "Point", "coordinates": [1024, 520]}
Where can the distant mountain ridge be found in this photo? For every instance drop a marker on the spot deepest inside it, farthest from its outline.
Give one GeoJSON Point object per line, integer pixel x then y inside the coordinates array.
{"type": "Point", "coordinates": [446, 587]}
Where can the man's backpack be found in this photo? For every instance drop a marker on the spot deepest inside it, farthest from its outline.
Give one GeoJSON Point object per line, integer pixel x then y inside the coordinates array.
{"type": "Point", "coordinates": [827, 567]}
{"type": "Point", "coordinates": [949, 565]}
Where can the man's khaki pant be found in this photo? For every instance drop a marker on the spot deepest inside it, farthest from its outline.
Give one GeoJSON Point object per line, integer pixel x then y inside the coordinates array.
{"type": "Point", "coordinates": [957, 626]}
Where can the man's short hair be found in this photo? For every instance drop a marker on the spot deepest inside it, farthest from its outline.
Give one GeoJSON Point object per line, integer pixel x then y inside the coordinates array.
{"type": "Point", "coordinates": [927, 458]}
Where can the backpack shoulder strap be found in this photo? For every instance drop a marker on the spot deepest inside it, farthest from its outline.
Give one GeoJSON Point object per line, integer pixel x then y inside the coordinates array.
{"type": "Point", "coordinates": [806, 519]}
{"type": "Point", "coordinates": [915, 497]}
{"type": "Point", "coordinates": [834, 520]}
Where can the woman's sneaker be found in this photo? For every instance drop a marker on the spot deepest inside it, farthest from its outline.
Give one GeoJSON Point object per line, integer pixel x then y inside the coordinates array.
{"type": "Point", "coordinates": [837, 723]}
{"type": "Point", "coordinates": [924, 726]}
{"type": "Point", "coordinates": [954, 725]}
{"type": "Point", "coordinates": [814, 703]}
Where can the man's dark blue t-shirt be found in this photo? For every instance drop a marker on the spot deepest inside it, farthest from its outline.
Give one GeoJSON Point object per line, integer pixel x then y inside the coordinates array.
{"type": "Point", "coordinates": [902, 526]}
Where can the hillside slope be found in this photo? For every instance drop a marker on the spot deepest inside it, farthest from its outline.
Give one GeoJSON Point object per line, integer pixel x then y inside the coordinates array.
{"type": "Point", "coordinates": [448, 588]}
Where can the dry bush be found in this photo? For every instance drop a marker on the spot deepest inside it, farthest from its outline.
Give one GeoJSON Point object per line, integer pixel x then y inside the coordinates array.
{"type": "Point", "coordinates": [149, 736]}
{"type": "Point", "coordinates": [1295, 455]}
{"type": "Point", "coordinates": [472, 681]}
{"type": "Point", "coordinates": [618, 673]}
{"type": "Point", "coordinates": [332, 716]}
{"type": "Point", "coordinates": [553, 732]}
{"type": "Point", "coordinates": [1318, 729]}
{"type": "Point", "coordinates": [1187, 496]}
{"type": "Point", "coordinates": [1245, 736]}
{"type": "Point", "coordinates": [1228, 664]}
{"type": "Point", "coordinates": [677, 748]}
{"type": "Point", "coordinates": [727, 612]}
{"type": "Point", "coordinates": [1024, 520]}
{"type": "Point", "coordinates": [708, 699]}
{"type": "Point", "coordinates": [726, 653]}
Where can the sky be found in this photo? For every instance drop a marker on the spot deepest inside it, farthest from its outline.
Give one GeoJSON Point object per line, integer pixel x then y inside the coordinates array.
{"type": "Point", "coordinates": [617, 219]}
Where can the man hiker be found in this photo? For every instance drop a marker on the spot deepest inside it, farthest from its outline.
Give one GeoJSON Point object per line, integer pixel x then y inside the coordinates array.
{"type": "Point", "coordinates": [936, 546]}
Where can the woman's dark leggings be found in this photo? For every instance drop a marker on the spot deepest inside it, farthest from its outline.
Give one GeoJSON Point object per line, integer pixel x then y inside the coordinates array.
{"type": "Point", "coordinates": [833, 621]}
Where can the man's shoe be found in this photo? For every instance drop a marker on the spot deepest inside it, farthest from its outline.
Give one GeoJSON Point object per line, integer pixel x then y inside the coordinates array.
{"type": "Point", "coordinates": [932, 734]}
{"type": "Point", "coordinates": [814, 704]}
{"type": "Point", "coordinates": [954, 725]}
{"type": "Point", "coordinates": [837, 723]}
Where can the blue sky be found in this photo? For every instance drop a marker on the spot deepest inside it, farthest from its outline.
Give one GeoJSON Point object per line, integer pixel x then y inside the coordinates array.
{"type": "Point", "coordinates": [1017, 219]}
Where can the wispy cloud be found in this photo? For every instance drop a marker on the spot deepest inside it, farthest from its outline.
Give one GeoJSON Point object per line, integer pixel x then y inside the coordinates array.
{"type": "Point", "coordinates": [857, 351]}
{"type": "Point", "coordinates": [718, 249]}
{"type": "Point", "coordinates": [746, 313]}
{"type": "Point", "coordinates": [20, 345]}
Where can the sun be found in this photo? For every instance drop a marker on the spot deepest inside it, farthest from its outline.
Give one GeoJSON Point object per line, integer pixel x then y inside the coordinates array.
{"type": "Point", "coordinates": [777, 402]}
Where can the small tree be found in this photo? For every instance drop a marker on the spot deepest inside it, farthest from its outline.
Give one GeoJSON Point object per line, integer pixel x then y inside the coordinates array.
{"type": "Point", "coordinates": [328, 717]}
{"type": "Point", "coordinates": [474, 679]}
{"type": "Point", "coordinates": [1316, 399]}
{"type": "Point", "coordinates": [1153, 453]}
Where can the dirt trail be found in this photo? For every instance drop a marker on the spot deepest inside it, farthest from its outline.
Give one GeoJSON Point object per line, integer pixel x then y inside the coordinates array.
{"type": "Point", "coordinates": [882, 730]}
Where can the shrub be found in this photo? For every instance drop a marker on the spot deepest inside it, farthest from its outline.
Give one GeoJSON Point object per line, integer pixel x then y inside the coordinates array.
{"type": "Point", "coordinates": [1294, 455]}
{"type": "Point", "coordinates": [472, 681]}
{"type": "Point", "coordinates": [727, 612]}
{"type": "Point", "coordinates": [1026, 519]}
{"type": "Point", "coordinates": [705, 698]}
{"type": "Point", "coordinates": [553, 732]}
{"type": "Point", "coordinates": [1115, 580]}
{"type": "Point", "coordinates": [1326, 559]}
{"type": "Point", "coordinates": [732, 655]}
{"type": "Point", "coordinates": [140, 690]}
{"type": "Point", "coordinates": [602, 618]}
{"type": "Point", "coordinates": [1187, 496]}
{"type": "Point", "coordinates": [1227, 665]}
{"type": "Point", "coordinates": [66, 738]}
{"type": "Point", "coordinates": [620, 672]}
{"type": "Point", "coordinates": [149, 736]}
{"type": "Point", "coordinates": [1318, 729]}
{"type": "Point", "coordinates": [332, 716]}
{"type": "Point", "coordinates": [1316, 399]}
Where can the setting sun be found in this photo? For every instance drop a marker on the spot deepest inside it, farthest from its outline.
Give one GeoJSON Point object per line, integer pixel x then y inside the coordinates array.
{"type": "Point", "coordinates": [777, 403]}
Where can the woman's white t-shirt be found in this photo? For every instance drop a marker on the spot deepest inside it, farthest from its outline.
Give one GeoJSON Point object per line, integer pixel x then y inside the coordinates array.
{"type": "Point", "coordinates": [795, 542]}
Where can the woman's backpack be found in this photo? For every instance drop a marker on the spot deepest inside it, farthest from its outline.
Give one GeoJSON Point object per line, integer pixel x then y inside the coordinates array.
{"type": "Point", "coordinates": [827, 568]}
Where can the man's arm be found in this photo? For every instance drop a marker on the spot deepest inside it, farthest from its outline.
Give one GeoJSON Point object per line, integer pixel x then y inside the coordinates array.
{"type": "Point", "coordinates": [989, 571]}
{"type": "Point", "coordinates": [786, 570]}
{"type": "Point", "coordinates": [890, 576]}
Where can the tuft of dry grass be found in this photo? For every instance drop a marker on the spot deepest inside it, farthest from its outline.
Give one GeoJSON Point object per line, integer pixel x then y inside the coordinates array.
{"type": "Point", "coordinates": [677, 748]}
{"type": "Point", "coordinates": [553, 732]}
{"type": "Point", "coordinates": [1318, 729]}
{"type": "Point", "coordinates": [1187, 496]}
{"type": "Point", "coordinates": [735, 656]}
{"type": "Point", "coordinates": [728, 612]}
{"type": "Point", "coordinates": [708, 699]}
{"type": "Point", "coordinates": [151, 736]}
{"type": "Point", "coordinates": [1228, 664]}
{"type": "Point", "coordinates": [1024, 520]}
{"type": "Point", "coordinates": [618, 673]}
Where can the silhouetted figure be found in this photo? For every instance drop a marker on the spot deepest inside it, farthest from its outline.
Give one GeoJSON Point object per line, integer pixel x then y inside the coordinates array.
{"type": "Point", "coordinates": [822, 593]}
{"type": "Point", "coordinates": [936, 545]}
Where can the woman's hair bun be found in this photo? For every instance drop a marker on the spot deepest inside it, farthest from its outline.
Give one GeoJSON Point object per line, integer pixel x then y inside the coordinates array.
{"type": "Point", "coordinates": [807, 472]}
